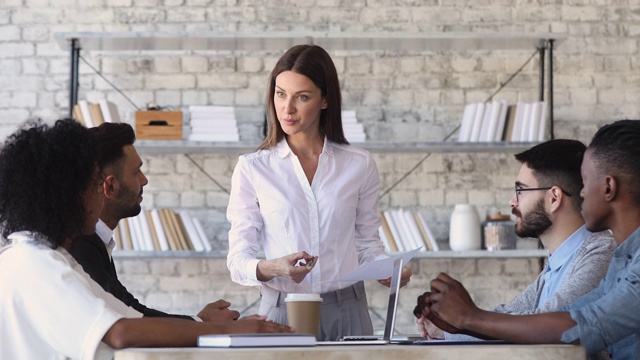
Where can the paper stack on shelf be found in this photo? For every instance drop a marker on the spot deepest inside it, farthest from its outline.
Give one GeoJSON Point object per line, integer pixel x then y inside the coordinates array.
{"type": "Point", "coordinates": [497, 121]}
{"type": "Point", "coordinates": [213, 123]}
{"type": "Point", "coordinates": [353, 131]}
{"type": "Point", "coordinates": [161, 230]}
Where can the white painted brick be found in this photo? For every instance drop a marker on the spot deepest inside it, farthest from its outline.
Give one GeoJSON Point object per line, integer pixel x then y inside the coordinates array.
{"type": "Point", "coordinates": [132, 267]}
{"type": "Point", "coordinates": [217, 198]}
{"type": "Point", "coordinates": [138, 15]}
{"type": "Point", "coordinates": [186, 15]}
{"type": "Point", "coordinates": [250, 64]}
{"type": "Point", "coordinates": [174, 2]}
{"type": "Point", "coordinates": [24, 99]}
{"type": "Point", "coordinates": [244, 14]}
{"type": "Point", "coordinates": [190, 199]}
{"type": "Point", "coordinates": [581, 13]}
{"type": "Point", "coordinates": [10, 67]}
{"type": "Point", "coordinates": [167, 65]}
{"type": "Point", "coordinates": [219, 81]}
{"type": "Point", "coordinates": [516, 266]}
{"type": "Point", "coordinates": [194, 64]}
{"type": "Point", "coordinates": [9, 33]}
{"type": "Point", "coordinates": [164, 267]}
{"type": "Point", "coordinates": [168, 98]}
{"type": "Point", "coordinates": [34, 66]}
{"type": "Point", "coordinates": [195, 97]}
{"type": "Point", "coordinates": [610, 97]}
{"type": "Point", "coordinates": [453, 197]}
{"type": "Point", "coordinates": [171, 82]}
{"type": "Point", "coordinates": [249, 97]}
{"type": "Point", "coordinates": [358, 65]}
{"type": "Point", "coordinates": [405, 198]}
{"type": "Point", "coordinates": [16, 49]}
{"type": "Point", "coordinates": [167, 199]}
{"type": "Point", "coordinates": [427, 198]}
{"type": "Point", "coordinates": [464, 65]}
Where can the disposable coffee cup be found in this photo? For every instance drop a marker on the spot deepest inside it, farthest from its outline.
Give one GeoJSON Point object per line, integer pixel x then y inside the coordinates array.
{"type": "Point", "coordinates": [303, 312]}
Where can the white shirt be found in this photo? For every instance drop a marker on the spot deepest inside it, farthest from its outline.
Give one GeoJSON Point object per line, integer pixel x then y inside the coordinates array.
{"type": "Point", "coordinates": [106, 235]}
{"type": "Point", "coordinates": [50, 308]}
{"type": "Point", "coordinates": [336, 217]}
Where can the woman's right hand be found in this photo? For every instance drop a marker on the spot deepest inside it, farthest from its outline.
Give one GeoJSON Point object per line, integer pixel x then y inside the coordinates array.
{"type": "Point", "coordinates": [286, 266]}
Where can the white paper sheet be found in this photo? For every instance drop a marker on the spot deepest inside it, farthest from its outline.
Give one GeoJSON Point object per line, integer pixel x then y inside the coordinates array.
{"type": "Point", "coordinates": [378, 270]}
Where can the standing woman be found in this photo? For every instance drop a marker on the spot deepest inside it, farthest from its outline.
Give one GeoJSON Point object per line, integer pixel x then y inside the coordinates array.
{"type": "Point", "coordinates": [308, 197]}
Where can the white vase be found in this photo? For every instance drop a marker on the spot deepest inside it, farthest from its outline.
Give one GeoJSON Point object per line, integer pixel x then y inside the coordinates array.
{"type": "Point", "coordinates": [464, 228]}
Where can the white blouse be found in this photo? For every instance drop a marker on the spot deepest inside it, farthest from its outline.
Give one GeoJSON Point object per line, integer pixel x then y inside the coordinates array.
{"type": "Point", "coordinates": [336, 217]}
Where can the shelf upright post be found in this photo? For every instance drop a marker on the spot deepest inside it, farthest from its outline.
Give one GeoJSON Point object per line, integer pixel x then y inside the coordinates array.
{"type": "Point", "coordinates": [542, 74]}
{"type": "Point", "coordinates": [73, 85]}
{"type": "Point", "coordinates": [550, 46]}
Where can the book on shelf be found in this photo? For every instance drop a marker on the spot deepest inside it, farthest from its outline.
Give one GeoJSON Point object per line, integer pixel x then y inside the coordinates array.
{"type": "Point", "coordinates": [86, 113]}
{"type": "Point", "coordinates": [96, 114]}
{"type": "Point", "coordinates": [109, 111]}
{"type": "Point", "coordinates": [76, 114]}
{"type": "Point", "coordinates": [202, 234]}
{"type": "Point", "coordinates": [152, 230]}
{"type": "Point", "coordinates": [406, 229]}
{"type": "Point", "coordinates": [386, 231]}
{"type": "Point", "coordinates": [161, 230]}
{"type": "Point", "coordinates": [256, 340]}
{"type": "Point", "coordinates": [497, 121]}
{"type": "Point", "coordinates": [191, 230]}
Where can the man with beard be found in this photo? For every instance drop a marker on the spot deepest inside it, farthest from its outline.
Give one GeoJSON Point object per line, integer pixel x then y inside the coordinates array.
{"type": "Point", "coordinates": [546, 205]}
{"type": "Point", "coordinates": [122, 190]}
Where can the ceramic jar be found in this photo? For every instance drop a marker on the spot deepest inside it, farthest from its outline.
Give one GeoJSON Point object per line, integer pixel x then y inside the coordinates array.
{"type": "Point", "coordinates": [464, 228]}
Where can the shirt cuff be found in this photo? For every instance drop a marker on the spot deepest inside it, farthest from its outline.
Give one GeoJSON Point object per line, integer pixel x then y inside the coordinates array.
{"type": "Point", "coordinates": [196, 318]}
{"type": "Point", "coordinates": [252, 269]}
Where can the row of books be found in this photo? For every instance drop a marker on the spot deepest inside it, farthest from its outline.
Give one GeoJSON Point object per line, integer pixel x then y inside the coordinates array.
{"type": "Point", "coordinates": [496, 121]}
{"type": "Point", "coordinates": [404, 230]}
{"type": "Point", "coordinates": [161, 230]}
{"type": "Point", "coordinates": [90, 115]}
{"type": "Point", "coordinates": [213, 123]}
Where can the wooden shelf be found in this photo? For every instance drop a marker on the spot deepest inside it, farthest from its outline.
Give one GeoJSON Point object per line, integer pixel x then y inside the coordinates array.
{"type": "Point", "coordinates": [163, 147]}
{"type": "Point", "coordinates": [280, 41]}
{"type": "Point", "coordinates": [446, 254]}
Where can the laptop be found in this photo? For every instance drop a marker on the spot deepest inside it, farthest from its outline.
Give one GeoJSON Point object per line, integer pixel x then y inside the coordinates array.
{"type": "Point", "coordinates": [394, 294]}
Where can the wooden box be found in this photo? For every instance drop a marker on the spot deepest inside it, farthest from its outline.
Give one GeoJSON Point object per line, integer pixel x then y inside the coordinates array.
{"type": "Point", "coordinates": [159, 125]}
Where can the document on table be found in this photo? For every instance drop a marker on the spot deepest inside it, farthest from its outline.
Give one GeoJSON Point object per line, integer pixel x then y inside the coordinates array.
{"type": "Point", "coordinates": [379, 269]}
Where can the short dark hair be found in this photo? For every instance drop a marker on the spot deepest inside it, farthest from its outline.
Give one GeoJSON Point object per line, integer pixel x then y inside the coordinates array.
{"type": "Point", "coordinates": [557, 162]}
{"type": "Point", "coordinates": [315, 63]}
{"type": "Point", "coordinates": [111, 139]}
{"type": "Point", "coordinates": [616, 151]}
{"type": "Point", "coordinates": [44, 171]}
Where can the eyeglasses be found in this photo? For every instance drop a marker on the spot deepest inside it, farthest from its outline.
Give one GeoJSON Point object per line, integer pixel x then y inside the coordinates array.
{"type": "Point", "coordinates": [521, 189]}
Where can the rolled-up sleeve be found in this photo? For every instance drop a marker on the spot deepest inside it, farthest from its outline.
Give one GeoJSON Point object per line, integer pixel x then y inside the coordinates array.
{"type": "Point", "coordinates": [603, 317]}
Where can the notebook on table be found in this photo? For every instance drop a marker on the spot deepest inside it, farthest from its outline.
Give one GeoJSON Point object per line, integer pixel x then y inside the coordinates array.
{"type": "Point", "coordinates": [394, 294]}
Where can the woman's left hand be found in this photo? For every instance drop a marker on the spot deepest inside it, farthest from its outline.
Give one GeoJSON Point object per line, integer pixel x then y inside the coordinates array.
{"type": "Point", "coordinates": [404, 280]}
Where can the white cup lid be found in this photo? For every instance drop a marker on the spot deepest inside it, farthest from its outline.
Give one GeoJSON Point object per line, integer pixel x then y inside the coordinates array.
{"type": "Point", "coordinates": [303, 297]}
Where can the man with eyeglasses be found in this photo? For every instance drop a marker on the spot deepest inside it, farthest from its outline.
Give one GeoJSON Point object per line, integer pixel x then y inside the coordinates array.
{"type": "Point", "coordinates": [608, 317]}
{"type": "Point", "coordinates": [546, 205]}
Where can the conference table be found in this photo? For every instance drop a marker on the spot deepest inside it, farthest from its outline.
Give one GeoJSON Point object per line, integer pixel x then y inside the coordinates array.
{"type": "Point", "coordinates": [362, 352]}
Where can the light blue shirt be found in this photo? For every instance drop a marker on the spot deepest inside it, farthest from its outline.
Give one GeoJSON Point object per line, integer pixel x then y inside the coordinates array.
{"type": "Point", "coordinates": [559, 262]}
{"type": "Point", "coordinates": [609, 316]}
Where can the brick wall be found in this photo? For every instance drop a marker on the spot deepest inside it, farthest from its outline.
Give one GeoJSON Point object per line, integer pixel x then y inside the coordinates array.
{"type": "Point", "coordinates": [408, 96]}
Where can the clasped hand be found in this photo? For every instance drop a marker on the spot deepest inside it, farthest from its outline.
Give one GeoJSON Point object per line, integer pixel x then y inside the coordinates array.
{"type": "Point", "coordinates": [447, 306]}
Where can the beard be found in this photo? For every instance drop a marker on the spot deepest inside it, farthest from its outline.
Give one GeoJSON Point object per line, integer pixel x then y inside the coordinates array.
{"type": "Point", "coordinates": [129, 205]}
{"type": "Point", "coordinates": [533, 223]}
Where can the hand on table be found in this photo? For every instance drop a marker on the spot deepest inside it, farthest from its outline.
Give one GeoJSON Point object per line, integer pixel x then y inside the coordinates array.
{"type": "Point", "coordinates": [218, 312]}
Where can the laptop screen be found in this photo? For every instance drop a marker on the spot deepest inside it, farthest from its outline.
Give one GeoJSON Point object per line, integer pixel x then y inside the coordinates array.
{"type": "Point", "coordinates": [394, 292]}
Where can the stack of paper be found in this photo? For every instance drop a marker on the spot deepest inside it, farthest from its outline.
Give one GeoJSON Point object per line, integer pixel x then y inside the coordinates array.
{"type": "Point", "coordinates": [213, 123]}
{"type": "Point", "coordinates": [91, 115]}
{"type": "Point", "coordinates": [353, 131]}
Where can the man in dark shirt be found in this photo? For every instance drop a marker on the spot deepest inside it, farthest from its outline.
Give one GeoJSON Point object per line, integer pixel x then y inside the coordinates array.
{"type": "Point", "coordinates": [122, 190]}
